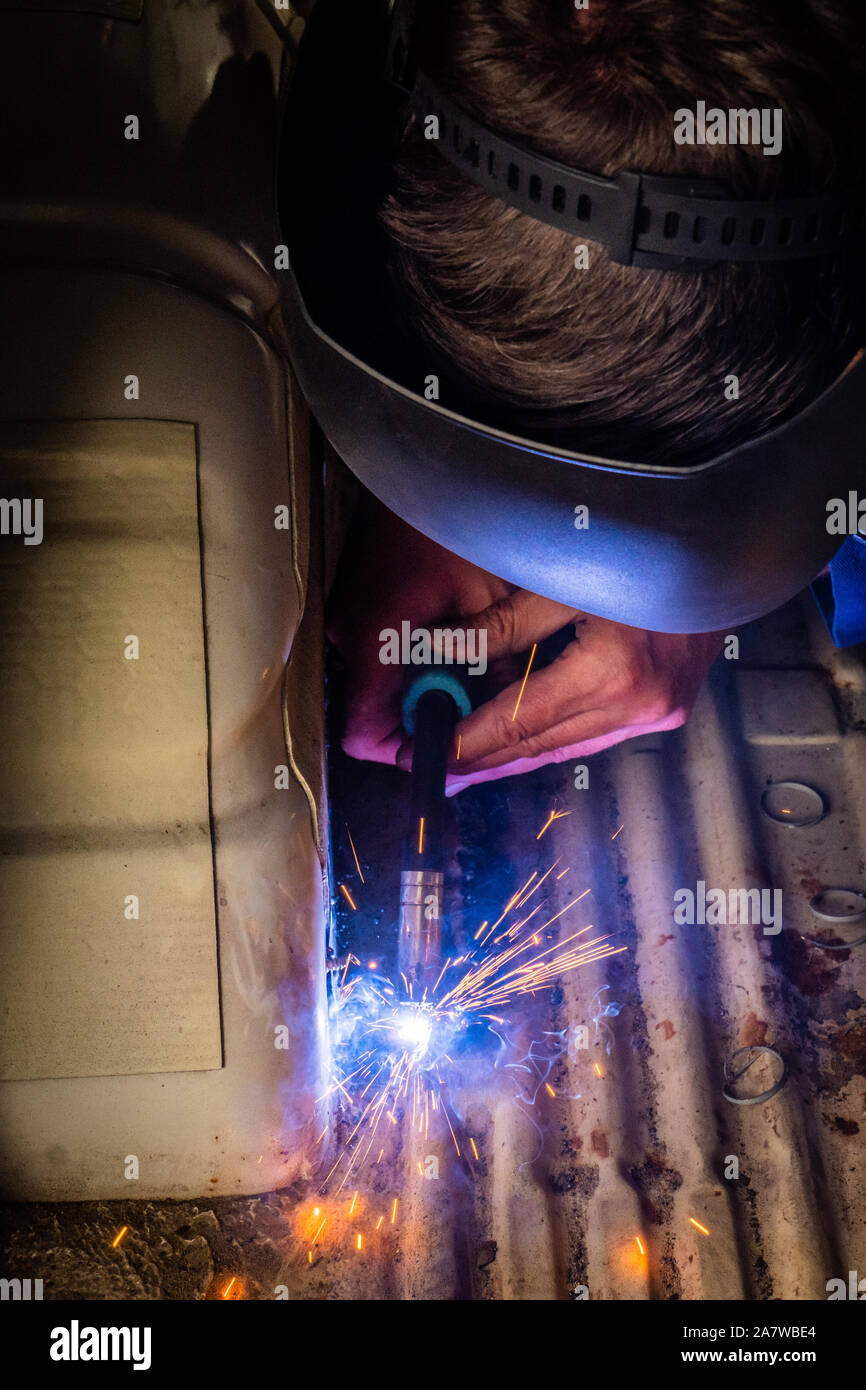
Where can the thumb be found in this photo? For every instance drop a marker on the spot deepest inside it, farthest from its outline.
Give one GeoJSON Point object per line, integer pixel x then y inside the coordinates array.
{"type": "Point", "coordinates": [514, 622]}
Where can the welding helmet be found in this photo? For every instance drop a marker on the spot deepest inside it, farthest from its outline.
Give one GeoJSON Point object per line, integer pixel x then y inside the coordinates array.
{"type": "Point", "coordinates": [671, 549]}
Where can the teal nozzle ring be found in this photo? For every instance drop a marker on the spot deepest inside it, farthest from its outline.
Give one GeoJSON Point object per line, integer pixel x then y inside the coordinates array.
{"type": "Point", "coordinates": [434, 680]}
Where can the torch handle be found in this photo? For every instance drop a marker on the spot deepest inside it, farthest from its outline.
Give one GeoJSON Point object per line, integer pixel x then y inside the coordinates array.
{"type": "Point", "coordinates": [432, 707]}
{"type": "Point", "coordinates": [435, 717]}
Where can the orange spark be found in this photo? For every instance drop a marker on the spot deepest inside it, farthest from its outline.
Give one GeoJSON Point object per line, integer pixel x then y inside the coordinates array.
{"type": "Point", "coordinates": [352, 1207]}
{"type": "Point", "coordinates": [360, 1240]}
{"type": "Point", "coordinates": [562, 875]}
{"type": "Point", "coordinates": [394, 1212]}
{"type": "Point", "coordinates": [228, 1288]}
{"type": "Point", "coordinates": [119, 1237]}
{"type": "Point", "coordinates": [421, 835]}
{"type": "Point", "coordinates": [474, 1150]}
{"type": "Point", "coordinates": [441, 973]}
{"type": "Point", "coordinates": [639, 1245]}
{"type": "Point", "coordinates": [348, 896]}
{"type": "Point", "coordinates": [549, 1089]}
{"type": "Point", "coordinates": [354, 853]}
{"type": "Point", "coordinates": [615, 833]}
{"type": "Point", "coordinates": [309, 1257]}
{"type": "Point", "coordinates": [699, 1226]}
{"type": "Point", "coordinates": [379, 1222]}
{"type": "Point", "coordinates": [525, 679]}
{"type": "Point", "coordinates": [597, 1069]}
{"type": "Point", "coordinates": [554, 815]}
{"type": "Point", "coordinates": [459, 742]}
{"type": "Point", "coordinates": [550, 921]}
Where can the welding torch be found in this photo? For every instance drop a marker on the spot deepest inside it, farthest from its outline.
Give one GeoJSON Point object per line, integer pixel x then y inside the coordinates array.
{"type": "Point", "coordinates": [431, 707]}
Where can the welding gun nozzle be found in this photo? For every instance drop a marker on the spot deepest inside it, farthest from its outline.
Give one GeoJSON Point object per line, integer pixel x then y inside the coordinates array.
{"type": "Point", "coordinates": [420, 920]}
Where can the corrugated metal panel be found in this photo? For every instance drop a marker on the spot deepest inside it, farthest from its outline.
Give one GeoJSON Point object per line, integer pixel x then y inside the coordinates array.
{"type": "Point", "coordinates": [561, 1189]}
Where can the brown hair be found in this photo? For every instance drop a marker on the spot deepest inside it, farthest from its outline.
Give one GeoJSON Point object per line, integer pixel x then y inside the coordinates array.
{"type": "Point", "coordinates": [633, 360]}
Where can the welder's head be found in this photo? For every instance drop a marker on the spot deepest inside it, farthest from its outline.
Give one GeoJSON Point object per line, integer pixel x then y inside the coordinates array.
{"type": "Point", "coordinates": [594, 349]}
{"type": "Point", "coordinates": [632, 361]}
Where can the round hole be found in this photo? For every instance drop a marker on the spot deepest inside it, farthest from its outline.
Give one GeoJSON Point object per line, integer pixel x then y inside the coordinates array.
{"type": "Point", "coordinates": [839, 905]}
{"type": "Point", "coordinates": [753, 1075]}
{"type": "Point", "coordinates": [793, 803]}
{"type": "Point", "coordinates": [844, 910]}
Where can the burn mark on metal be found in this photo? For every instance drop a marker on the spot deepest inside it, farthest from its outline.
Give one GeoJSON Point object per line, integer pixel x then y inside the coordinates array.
{"type": "Point", "coordinates": [656, 1184]}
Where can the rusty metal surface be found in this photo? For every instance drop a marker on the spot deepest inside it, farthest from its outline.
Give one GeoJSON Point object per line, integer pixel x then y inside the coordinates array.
{"type": "Point", "coordinates": [560, 1189]}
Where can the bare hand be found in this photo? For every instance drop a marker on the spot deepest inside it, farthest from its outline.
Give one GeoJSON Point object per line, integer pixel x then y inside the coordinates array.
{"type": "Point", "coordinates": [610, 683]}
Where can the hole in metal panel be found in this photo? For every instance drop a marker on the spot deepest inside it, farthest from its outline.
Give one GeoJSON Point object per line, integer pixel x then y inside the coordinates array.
{"type": "Point", "coordinates": [844, 910]}
{"type": "Point", "coordinates": [753, 1075]}
{"type": "Point", "coordinates": [793, 803]}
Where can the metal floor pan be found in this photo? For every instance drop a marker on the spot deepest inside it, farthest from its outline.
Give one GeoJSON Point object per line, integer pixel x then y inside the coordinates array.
{"type": "Point", "coordinates": [560, 1193]}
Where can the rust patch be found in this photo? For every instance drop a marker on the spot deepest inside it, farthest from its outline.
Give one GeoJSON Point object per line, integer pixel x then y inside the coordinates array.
{"type": "Point", "coordinates": [600, 1144]}
{"type": "Point", "coordinates": [828, 935]}
{"type": "Point", "coordinates": [662, 939]}
{"type": "Point", "coordinates": [668, 1027]}
{"type": "Point", "coordinates": [841, 1125]}
{"type": "Point", "coordinates": [810, 885]}
{"type": "Point", "coordinates": [851, 1047]}
{"type": "Point", "coordinates": [754, 1032]}
{"type": "Point", "coordinates": [807, 968]}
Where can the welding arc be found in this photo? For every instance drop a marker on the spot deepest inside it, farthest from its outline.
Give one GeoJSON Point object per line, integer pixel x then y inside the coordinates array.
{"type": "Point", "coordinates": [422, 877]}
